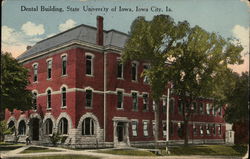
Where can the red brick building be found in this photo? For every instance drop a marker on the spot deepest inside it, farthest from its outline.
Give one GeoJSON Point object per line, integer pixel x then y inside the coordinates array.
{"type": "Point", "coordinates": [82, 91]}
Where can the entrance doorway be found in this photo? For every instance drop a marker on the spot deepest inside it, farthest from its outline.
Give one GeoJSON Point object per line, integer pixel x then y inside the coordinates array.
{"type": "Point", "coordinates": [35, 128]}
{"type": "Point", "coordinates": [120, 131]}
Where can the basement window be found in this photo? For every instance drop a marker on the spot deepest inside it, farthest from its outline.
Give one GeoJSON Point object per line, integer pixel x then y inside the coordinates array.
{"type": "Point", "coordinates": [88, 126]}
{"type": "Point", "coordinates": [63, 126]}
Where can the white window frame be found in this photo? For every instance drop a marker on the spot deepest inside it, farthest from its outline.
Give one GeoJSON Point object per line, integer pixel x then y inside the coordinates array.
{"type": "Point", "coordinates": [35, 72]}
{"type": "Point", "coordinates": [49, 89]}
{"type": "Point", "coordinates": [136, 71]}
{"type": "Point", "coordinates": [145, 102]}
{"type": "Point", "coordinates": [62, 92]}
{"type": "Point", "coordinates": [91, 127]}
{"type": "Point", "coordinates": [134, 125]}
{"type": "Point", "coordinates": [49, 66]}
{"type": "Point", "coordinates": [137, 102]}
{"type": "Point", "coordinates": [61, 127]}
{"type": "Point", "coordinates": [145, 127]}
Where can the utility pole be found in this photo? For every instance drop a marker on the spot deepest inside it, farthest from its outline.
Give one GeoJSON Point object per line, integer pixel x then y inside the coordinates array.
{"type": "Point", "coordinates": [167, 120]}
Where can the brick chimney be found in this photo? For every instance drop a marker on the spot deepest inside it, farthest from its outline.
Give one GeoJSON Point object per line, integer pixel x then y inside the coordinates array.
{"type": "Point", "coordinates": [99, 33]}
{"type": "Point", "coordinates": [28, 47]}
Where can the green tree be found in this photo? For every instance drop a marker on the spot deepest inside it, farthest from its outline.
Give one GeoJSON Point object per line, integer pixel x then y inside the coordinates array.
{"type": "Point", "coordinates": [237, 98]}
{"type": "Point", "coordinates": [14, 82]}
{"type": "Point", "coordinates": [198, 60]}
{"type": "Point", "coordinates": [148, 42]}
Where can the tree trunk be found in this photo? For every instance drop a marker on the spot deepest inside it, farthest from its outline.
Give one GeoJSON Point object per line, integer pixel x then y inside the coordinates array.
{"type": "Point", "coordinates": [156, 124]}
{"type": "Point", "coordinates": [186, 131]}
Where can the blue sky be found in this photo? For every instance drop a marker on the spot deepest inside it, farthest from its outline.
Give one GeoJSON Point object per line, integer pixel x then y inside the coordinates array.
{"type": "Point", "coordinates": [229, 18]}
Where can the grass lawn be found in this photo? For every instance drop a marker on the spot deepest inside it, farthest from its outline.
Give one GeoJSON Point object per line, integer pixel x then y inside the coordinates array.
{"type": "Point", "coordinates": [38, 149]}
{"type": "Point", "coordinates": [9, 146]}
{"type": "Point", "coordinates": [219, 150]}
{"type": "Point", "coordinates": [58, 157]}
{"type": "Point", "coordinates": [128, 152]}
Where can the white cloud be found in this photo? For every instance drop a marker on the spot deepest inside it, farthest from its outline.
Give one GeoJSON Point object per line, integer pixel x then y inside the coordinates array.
{"type": "Point", "coordinates": [242, 34]}
{"type": "Point", "coordinates": [246, 1]}
{"type": "Point", "coordinates": [32, 29]}
{"type": "Point", "coordinates": [15, 42]}
{"type": "Point", "coordinates": [67, 25]}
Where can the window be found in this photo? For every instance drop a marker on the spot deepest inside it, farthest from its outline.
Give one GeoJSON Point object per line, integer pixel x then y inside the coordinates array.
{"type": "Point", "coordinates": [194, 107]}
{"type": "Point", "coordinates": [134, 128]}
{"type": "Point", "coordinates": [145, 79]}
{"type": "Point", "coordinates": [180, 130]}
{"type": "Point", "coordinates": [145, 128]}
{"type": "Point", "coordinates": [35, 69]}
{"type": "Point", "coordinates": [119, 99]}
{"type": "Point", "coordinates": [171, 128]}
{"type": "Point", "coordinates": [134, 72]}
{"type": "Point", "coordinates": [119, 69]}
{"type": "Point", "coordinates": [164, 129]}
{"type": "Point", "coordinates": [214, 129]}
{"type": "Point", "coordinates": [208, 129]}
{"type": "Point", "coordinates": [171, 105]}
{"type": "Point", "coordinates": [89, 65]}
{"type": "Point", "coordinates": [219, 129]}
{"type": "Point", "coordinates": [135, 101]}
{"type": "Point", "coordinates": [64, 65]}
{"type": "Point", "coordinates": [208, 108]}
{"type": "Point", "coordinates": [195, 130]}
{"type": "Point", "coordinates": [88, 98]}
{"type": "Point", "coordinates": [49, 69]}
{"type": "Point", "coordinates": [213, 111]}
{"type": "Point", "coordinates": [145, 102]}
{"type": "Point", "coordinates": [219, 111]}
{"type": "Point", "coordinates": [22, 128]}
{"type": "Point", "coordinates": [11, 126]}
{"type": "Point", "coordinates": [154, 127]}
{"type": "Point", "coordinates": [63, 126]}
{"type": "Point", "coordinates": [34, 102]}
{"type": "Point", "coordinates": [153, 105]}
{"type": "Point", "coordinates": [164, 105]}
{"type": "Point", "coordinates": [201, 130]}
{"type": "Point", "coordinates": [88, 126]}
{"type": "Point", "coordinates": [64, 97]}
{"type": "Point", "coordinates": [48, 127]}
{"type": "Point", "coordinates": [48, 98]}
{"type": "Point", "coordinates": [180, 107]}
{"type": "Point", "coordinates": [201, 108]}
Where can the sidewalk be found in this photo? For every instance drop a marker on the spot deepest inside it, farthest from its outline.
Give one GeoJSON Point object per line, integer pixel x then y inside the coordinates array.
{"type": "Point", "coordinates": [63, 151]}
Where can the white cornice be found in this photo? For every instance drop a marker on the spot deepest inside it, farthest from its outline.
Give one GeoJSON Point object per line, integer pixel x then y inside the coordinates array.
{"type": "Point", "coordinates": [76, 42]}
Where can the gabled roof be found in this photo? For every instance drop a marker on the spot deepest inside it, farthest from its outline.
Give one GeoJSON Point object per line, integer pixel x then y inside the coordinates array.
{"type": "Point", "coordinates": [83, 33]}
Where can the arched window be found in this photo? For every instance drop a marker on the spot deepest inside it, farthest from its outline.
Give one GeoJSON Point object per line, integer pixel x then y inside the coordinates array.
{"type": "Point", "coordinates": [48, 98]}
{"type": "Point", "coordinates": [63, 97]}
{"type": "Point", "coordinates": [63, 126]}
{"type": "Point", "coordinates": [88, 126]}
{"type": "Point", "coordinates": [48, 126]}
{"type": "Point", "coordinates": [34, 100]}
{"type": "Point", "coordinates": [22, 128]}
{"type": "Point", "coordinates": [11, 126]}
